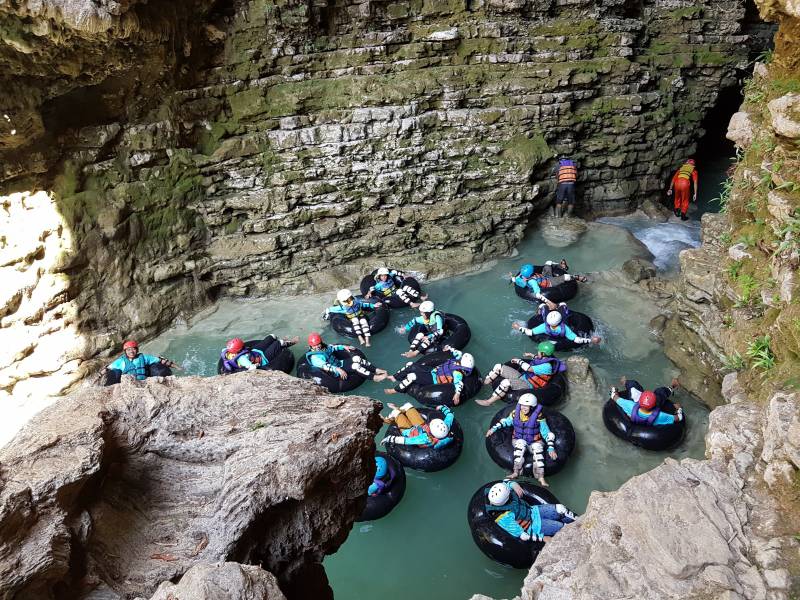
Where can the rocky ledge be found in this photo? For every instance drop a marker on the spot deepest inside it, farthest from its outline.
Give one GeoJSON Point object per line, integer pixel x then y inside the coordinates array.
{"type": "Point", "coordinates": [114, 490]}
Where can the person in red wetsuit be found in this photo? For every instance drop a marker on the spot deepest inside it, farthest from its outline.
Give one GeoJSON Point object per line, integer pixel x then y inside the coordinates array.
{"type": "Point", "coordinates": [682, 181]}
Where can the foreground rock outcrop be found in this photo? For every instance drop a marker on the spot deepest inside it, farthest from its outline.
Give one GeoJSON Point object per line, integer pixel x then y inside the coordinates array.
{"type": "Point", "coordinates": [115, 490]}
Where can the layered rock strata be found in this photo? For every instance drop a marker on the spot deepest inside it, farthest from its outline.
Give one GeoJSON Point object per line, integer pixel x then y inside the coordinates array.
{"type": "Point", "coordinates": [111, 491]}
{"type": "Point", "coordinates": [193, 150]}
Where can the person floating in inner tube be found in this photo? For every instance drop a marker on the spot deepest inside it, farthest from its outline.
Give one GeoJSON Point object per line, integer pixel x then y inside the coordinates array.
{"type": "Point", "coordinates": [555, 328]}
{"type": "Point", "coordinates": [452, 371]}
{"type": "Point", "coordinates": [682, 181]}
{"type": "Point", "coordinates": [531, 433]}
{"type": "Point", "coordinates": [536, 282]}
{"type": "Point", "coordinates": [643, 406]}
{"type": "Point", "coordinates": [354, 309]}
{"type": "Point", "coordinates": [432, 322]}
{"type": "Point", "coordinates": [237, 356]}
{"type": "Point", "coordinates": [385, 286]}
{"type": "Point", "coordinates": [536, 373]}
{"type": "Point", "coordinates": [415, 431]}
{"type": "Point", "coordinates": [384, 476]}
{"type": "Point", "coordinates": [133, 363]}
{"type": "Point", "coordinates": [567, 173]}
{"type": "Point", "coordinates": [538, 522]}
{"type": "Point", "coordinates": [321, 356]}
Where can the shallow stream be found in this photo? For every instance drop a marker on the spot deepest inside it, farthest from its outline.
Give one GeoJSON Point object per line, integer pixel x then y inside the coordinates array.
{"type": "Point", "coordinates": [423, 547]}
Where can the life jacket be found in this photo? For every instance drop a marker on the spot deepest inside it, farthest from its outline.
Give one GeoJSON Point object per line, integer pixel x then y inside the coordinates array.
{"type": "Point", "coordinates": [355, 310]}
{"type": "Point", "coordinates": [326, 353]}
{"type": "Point", "coordinates": [136, 366]}
{"type": "Point", "coordinates": [567, 172]}
{"type": "Point", "coordinates": [446, 370]}
{"type": "Point", "coordinates": [539, 381]}
{"type": "Point", "coordinates": [515, 505]}
{"type": "Point", "coordinates": [432, 439]}
{"type": "Point", "coordinates": [543, 281]}
{"type": "Point", "coordinates": [648, 420]}
{"type": "Point", "coordinates": [231, 364]}
{"type": "Point", "coordinates": [685, 172]}
{"type": "Point", "coordinates": [385, 482]}
{"type": "Point", "coordinates": [385, 288]}
{"type": "Point", "coordinates": [430, 325]}
{"type": "Point", "coordinates": [527, 430]}
{"type": "Point", "coordinates": [559, 331]}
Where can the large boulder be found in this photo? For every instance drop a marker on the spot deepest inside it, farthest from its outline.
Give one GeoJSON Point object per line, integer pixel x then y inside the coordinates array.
{"type": "Point", "coordinates": [124, 487]}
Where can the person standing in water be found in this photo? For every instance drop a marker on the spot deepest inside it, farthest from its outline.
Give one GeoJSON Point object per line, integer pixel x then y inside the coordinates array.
{"type": "Point", "coordinates": [685, 177]}
{"type": "Point", "coordinates": [566, 172]}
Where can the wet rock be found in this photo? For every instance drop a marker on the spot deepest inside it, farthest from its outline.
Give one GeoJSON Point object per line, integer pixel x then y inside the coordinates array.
{"type": "Point", "coordinates": [193, 470]}
{"type": "Point", "coordinates": [562, 232]}
{"type": "Point", "coordinates": [785, 112]}
{"type": "Point", "coordinates": [781, 449]}
{"type": "Point", "coordinates": [739, 252]}
{"type": "Point", "coordinates": [656, 211]}
{"type": "Point", "coordinates": [638, 269]}
{"type": "Point", "coordinates": [223, 581]}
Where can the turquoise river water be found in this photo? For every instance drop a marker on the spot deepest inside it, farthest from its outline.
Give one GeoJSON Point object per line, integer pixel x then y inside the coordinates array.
{"type": "Point", "coordinates": [424, 548]}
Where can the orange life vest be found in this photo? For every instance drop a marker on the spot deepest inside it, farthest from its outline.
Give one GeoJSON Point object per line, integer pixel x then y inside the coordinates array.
{"type": "Point", "coordinates": [539, 381]}
{"type": "Point", "coordinates": [567, 174]}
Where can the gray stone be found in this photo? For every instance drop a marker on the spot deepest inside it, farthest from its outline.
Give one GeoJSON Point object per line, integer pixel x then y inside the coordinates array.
{"type": "Point", "coordinates": [194, 470]}
{"type": "Point", "coordinates": [785, 112]}
{"type": "Point", "coordinates": [738, 252]}
{"type": "Point", "coordinates": [740, 130]}
{"type": "Point", "coordinates": [222, 581]}
{"type": "Point", "coordinates": [638, 269]}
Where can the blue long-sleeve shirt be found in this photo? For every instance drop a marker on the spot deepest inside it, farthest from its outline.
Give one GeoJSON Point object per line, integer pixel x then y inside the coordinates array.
{"type": "Point", "coordinates": [545, 329]}
{"type": "Point", "coordinates": [508, 521]}
{"type": "Point", "coordinates": [354, 310]}
{"type": "Point", "coordinates": [436, 323]}
{"type": "Point", "coordinates": [325, 360]}
{"type": "Point", "coordinates": [245, 363]}
{"type": "Point", "coordinates": [663, 418]}
{"type": "Point", "coordinates": [415, 436]}
{"type": "Point", "coordinates": [531, 283]}
{"type": "Point", "coordinates": [136, 367]}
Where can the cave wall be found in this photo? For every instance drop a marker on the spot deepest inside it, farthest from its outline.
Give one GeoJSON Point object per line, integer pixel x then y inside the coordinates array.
{"type": "Point", "coordinates": [234, 147]}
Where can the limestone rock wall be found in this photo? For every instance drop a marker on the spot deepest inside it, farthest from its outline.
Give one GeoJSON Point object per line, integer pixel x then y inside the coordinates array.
{"type": "Point", "coordinates": [112, 491]}
{"type": "Point", "coordinates": [194, 149]}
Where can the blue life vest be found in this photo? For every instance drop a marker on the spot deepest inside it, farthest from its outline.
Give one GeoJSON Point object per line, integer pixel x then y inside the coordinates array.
{"type": "Point", "coordinates": [327, 355]}
{"type": "Point", "coordinates": [527, 430]}
{"type": "Point", "coordinates": [355, 310]}
{"type": "Point", "coordinates": [649, 420]}
{"type": "Point", "coordinates": [231, 364]}
{"type": "Point", "coordinates": [446, 370]}
{"type": "Point", "coordinates": [558, 366]}
{"type": "Point", "coordinates": [515, 504]}
{"type": "Point", "coordinates": [560, 331]}
{"type": "Point", "coordinates": [430, 326]}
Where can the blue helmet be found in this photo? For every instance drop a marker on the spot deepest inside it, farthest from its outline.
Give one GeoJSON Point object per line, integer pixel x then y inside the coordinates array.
{"type": "Point", "coordinates": [526, 270]}
{"type": "Point", "coordinates": [380, 466]}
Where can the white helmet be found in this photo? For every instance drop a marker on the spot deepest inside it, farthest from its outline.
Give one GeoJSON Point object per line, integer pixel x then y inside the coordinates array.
{"type": "Point", "coordinates": [343, 295]}
{"type": "Point", "coordinates": [499, 494]}
{"type": "Point", "coordinates": [553, 318]}
{"type": "Point", "coordinates": [527, 400]}
{"type": "Point", "coordinates": [426, 307]}
{"type": "Point", "coordinates": [467, 360]}
{"type": "Point", "coordinates": [382, 271]}
{"type": "Point", "coordinates": [438, 428]}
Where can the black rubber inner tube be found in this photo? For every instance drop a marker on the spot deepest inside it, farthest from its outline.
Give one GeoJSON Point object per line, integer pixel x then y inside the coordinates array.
{"type": "Point", "coordinates": [456, 334]}
{"type": "Point", "coordinates": [649, 437]}
{"type": "Point", "coordinates": [114, 376]}
{"type": "Point", "coordinates": [331, 382]}
{"type": "Point", "coordinates": [562, 292]}
{"type": "Point", "coordinates": [380, 505]}
{"type": "Point", "coordinates": [377, 319]}
{"type": "Point", "coordinates": [392, 301]}
{"type": "Point", "coordinates": [283, 361]}
{"type": "Point", "coordinates": [442, 393]}
{"type": "Point", "coordinates": [502, 452]}
{"type": "Point", "coordinates": [494, 541]}
{"type": "Point", "coordinates": [427, 458]}
{"type": "Point", "coordinates": [548, 395]}
{"type": "Point", "coordinates": [580, 323]}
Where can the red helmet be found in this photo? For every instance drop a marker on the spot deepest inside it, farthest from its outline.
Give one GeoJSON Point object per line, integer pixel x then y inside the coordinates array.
{"type": "Point", "coordinates": [690, 161]}
{"type": "Point", "coordinates": [647, 400]}
{"type": "Point", "coordinates": [314, 339]}
{"type": "Point", "coordinates": [235, 345]}
{"type": "Point", "coordinates": [130, 344]}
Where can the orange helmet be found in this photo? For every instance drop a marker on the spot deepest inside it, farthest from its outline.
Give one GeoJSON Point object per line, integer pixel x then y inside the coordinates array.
{"type": "Point", "coordinates": [130, 344]}
{"type": "Point", "coordinates": [314, 339]}
{"type": "Point", "coordinates": [647, 400]}
{"type": "Point", "coordinates": [235, 345]}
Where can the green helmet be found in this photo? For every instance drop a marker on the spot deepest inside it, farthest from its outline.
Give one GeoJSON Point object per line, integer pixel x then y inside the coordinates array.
{"type": "Point", "coordinates": [546, 348]}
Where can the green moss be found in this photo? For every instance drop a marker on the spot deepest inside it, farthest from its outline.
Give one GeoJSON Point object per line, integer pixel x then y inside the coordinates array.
{"type": "Point", "coordinates": [568, 27]}
{"type": "Point", "coordinates": [686, 13]}
{"type": "Point", "coordinates": [710, 58]}
{"type": "Point", "coordinates": [248, 103]}
{"type": "Point", "coordinates": [525, 153]}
